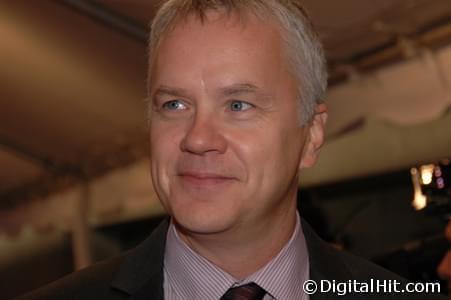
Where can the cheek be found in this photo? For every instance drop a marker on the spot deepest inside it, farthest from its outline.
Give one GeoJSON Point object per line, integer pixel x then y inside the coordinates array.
{"type": "Point", "coordinates": [274, 155]}
{"type": "Point", "coordinates": [258, 151]}
{"type": "Point", "coordinates": [164, 150]}
{"type": "Point", "coordinates": [164, 139]}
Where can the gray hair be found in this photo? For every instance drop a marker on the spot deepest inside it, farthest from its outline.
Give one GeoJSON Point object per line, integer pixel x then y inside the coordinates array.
{"type": "Point", "coordinates": [304, 50]}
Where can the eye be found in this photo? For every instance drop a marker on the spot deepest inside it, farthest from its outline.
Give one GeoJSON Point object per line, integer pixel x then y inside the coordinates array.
{"type": "Point", "coordinates": [174, 105]}
{"type": "Point", "coordinates": [237, 105]}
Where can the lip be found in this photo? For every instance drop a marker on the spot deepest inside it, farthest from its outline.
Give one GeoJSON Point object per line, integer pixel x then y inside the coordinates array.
{"type": "Point", "coordinates": [204, 179]}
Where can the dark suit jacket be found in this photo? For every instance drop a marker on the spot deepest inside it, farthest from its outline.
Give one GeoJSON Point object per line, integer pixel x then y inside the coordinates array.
{"type": "Point", "coordinates": [138, 273]}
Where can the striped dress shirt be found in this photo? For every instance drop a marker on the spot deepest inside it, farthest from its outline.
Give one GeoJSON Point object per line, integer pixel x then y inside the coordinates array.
{"type": "Point", "coordinates": [189, 276]}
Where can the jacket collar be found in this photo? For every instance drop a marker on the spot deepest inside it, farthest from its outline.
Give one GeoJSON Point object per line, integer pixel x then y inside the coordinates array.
{"type": "Point", "coordinates": [141, 273]}
{"type": "Point", "coordinates": [326, 263]}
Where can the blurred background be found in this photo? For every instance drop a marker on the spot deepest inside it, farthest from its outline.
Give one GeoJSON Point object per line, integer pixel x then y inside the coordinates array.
{"type": "Point", "coordinates": [74, 171]}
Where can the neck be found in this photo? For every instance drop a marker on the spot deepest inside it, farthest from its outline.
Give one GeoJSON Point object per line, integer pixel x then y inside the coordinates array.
{"type": "Point", "coordinates": [244, 251]}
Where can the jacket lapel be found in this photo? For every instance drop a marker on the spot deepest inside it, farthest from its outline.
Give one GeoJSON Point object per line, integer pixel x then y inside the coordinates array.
{"type": "Point", "coordinates": [325, 263]}
{"type": "Point", "coordinates": [141, 274]}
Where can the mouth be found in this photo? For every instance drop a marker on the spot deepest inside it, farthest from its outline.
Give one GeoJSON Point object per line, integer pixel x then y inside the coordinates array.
{"type": "Point", "coordinates": [201, 179]}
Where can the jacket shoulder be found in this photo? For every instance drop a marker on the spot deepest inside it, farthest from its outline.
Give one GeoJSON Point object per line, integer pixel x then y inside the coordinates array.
{"type": "Point", "coordinates": [92, 282]}
{"type": "Point", "coordinates": [330, 266]}
{"type": "Point", "coordinates": [365, 271]}
{"type": "Point", "coordinates": [138, 271]}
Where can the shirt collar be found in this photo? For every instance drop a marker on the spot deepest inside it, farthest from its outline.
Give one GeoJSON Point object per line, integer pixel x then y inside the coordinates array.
{"type": "Point", "coordinates": [284, 275]}
{"type": "Point", "coordinates": [194, 277]}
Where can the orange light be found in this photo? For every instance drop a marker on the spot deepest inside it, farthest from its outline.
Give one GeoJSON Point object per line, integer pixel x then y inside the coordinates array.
{"type": "Point", "coordinates": [419, 199]}
{"type": "Point", "coordinates": [426, 174]}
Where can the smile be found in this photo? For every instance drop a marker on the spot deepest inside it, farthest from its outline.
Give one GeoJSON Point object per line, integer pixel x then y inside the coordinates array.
{"type": "Point", "coordinates": [204, 179]}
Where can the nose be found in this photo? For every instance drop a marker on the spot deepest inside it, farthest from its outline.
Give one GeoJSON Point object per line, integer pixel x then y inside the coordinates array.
{"type": "Point", "coordinates": [203, 136]}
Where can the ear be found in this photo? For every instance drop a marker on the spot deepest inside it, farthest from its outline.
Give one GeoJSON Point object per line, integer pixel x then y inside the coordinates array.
{"type": "Point", "coordinates": [315, 137]}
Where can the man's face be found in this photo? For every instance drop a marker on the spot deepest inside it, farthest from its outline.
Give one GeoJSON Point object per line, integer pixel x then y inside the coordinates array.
{"type": "Point", "coordinates": [225, 139]}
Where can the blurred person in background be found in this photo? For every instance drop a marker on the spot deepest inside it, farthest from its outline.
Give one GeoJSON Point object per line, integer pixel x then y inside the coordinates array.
{"type": "Point", "coordinates": [444, 269]}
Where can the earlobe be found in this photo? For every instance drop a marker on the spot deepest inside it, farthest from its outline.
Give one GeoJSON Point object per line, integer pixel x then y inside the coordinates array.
{"type": "Point", "coordinates": [315, 138]}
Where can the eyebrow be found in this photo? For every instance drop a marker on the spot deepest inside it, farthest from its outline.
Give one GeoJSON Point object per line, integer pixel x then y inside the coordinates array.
{"type": "Point", "coordinates": [164, 90]}
{"type": "Point", "coordinates": [238, 89]}
{"type": "Point", "coordinates": [227, 91]}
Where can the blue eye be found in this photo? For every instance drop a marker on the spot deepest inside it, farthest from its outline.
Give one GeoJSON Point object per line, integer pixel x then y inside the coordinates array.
{"type": "Point", "coordinates": [174, 105]}
{"type": "Point", "coordinates": [240, 105]}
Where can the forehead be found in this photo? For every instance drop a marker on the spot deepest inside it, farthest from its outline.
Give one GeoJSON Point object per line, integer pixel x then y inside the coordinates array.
{"type": "Point", "coordinates": [222, 44]}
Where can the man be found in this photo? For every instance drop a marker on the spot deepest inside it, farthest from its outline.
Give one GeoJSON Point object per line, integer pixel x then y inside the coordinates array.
{"type": "Point", "coordinates": [444, 269]}
{"type": "Point", "coordinates": [235, 91]}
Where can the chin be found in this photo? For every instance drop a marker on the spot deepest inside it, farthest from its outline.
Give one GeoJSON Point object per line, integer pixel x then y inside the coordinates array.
{"type": "Point", "coordinates": [202, 222]}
